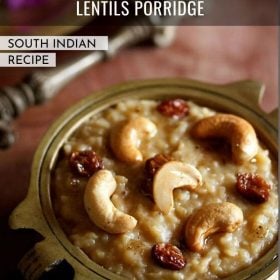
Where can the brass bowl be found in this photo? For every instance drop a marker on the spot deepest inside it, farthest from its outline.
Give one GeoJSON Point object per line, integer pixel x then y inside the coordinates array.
{"type": "Point", "coordinates": [36, 212]}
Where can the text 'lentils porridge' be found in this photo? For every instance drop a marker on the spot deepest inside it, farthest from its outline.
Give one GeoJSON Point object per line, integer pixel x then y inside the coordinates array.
{"type": "Point", "coordinates": [167, 190]}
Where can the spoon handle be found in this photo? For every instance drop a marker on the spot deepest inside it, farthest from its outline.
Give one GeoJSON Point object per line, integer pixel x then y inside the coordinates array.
{"type": "Point", "coordinates": [42, 85]}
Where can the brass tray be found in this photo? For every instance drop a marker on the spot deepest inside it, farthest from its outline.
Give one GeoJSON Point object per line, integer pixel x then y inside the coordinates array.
{"type": "Point", "coordinates": [241, 98]}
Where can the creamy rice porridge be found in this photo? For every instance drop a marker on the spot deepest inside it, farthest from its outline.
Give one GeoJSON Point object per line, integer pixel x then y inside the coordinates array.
{"type": "Point", "coordinates": [129, 253]}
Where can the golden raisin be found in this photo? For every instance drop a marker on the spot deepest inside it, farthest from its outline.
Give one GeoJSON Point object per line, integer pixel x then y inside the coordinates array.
{"type": "Point", "coordinates": [252, 187]}
{"type": "Point", "coordinates": [175, 108]}
{"type": "Point", "coordinates": [168, 256]}
{"type": "Point", "coordinates": [85, 163]}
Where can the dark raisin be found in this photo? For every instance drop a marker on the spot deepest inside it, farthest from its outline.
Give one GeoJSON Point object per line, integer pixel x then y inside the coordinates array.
{"type": "Point", "coordinates": [168, 256]}
{"type": "Point", "coordinates": [175, 108]}
{"type": "Point", "coordinates": [252, 187]}
{"type": "Point", "coordinates": [153, 164]}
{"type": "Point", "coordinates": [151, 167]}
{"type": "Point", "coordinates": [85, 163]}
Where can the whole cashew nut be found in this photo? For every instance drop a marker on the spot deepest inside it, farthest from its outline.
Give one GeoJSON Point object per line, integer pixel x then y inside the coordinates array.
{"type": "Point", "coordinates": [239, 132]}
{"type": "Point", "coordinates": [100, 208]}
{"type": "Point", "coordinates": [172, 175]}
{"type": "Point", "coordinates": [126, 139]}
{"type": "Point", "coordinates": [212, 218]}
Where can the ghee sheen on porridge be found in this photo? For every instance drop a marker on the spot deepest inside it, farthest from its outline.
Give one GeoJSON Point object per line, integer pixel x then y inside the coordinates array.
{"type": "Point", "coordinates": [129, 254]}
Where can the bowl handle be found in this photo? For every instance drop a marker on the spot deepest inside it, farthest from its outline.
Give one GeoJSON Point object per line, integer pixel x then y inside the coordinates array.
{"type": "Point", "coordinates": [44, 261]}
{"type": "Point", "coordinates": [251, 93]}
{"type": "Point", "coordinates": [46, 257]}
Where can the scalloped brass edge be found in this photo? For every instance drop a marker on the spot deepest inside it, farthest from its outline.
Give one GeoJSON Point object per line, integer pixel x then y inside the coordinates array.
{"type": "Point", "coordinates": [252, 92]}
{"type": "Point", "coordinates": [273, 117]}
{"type": "Point", "coordinates": [27, 215]}
{"type": "Point", "coordinates": [248, 91]}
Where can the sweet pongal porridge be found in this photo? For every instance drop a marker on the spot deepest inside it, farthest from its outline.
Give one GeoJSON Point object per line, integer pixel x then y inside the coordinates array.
{"type": "Point", "coordinates": [144, 190]}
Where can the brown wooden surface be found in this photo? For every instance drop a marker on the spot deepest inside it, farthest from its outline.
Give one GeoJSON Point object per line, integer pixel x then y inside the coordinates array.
{"type": "Point", "coordinates": [212, 54]}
